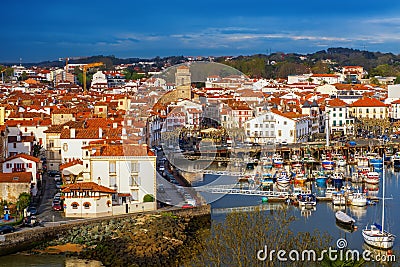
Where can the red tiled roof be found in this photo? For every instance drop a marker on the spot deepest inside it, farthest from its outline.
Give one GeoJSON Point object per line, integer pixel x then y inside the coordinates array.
{"type": "Point", "coordinates": [368, 102]}
{"type": "Point", "coordinates": [25, 156]}
{"type": "Point", "coordinates": [337, 102]}
{"type": "Point", "coordinates": [91, 186]}
{"type": "Point", "coordinates": [16, 177]}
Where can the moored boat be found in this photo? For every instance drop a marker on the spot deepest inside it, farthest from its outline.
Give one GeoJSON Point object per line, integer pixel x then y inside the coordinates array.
{"type": "Point", "coordinates": [344, 219]}
{"type": "Point", "coordinates": [338, 199]}
{"type": "Point", "coordinates": [372, 178]}
{"type": "Point", "coordinates": [328, 164]}
{"type": "Point", "coordinates": [358, 199]}
{"type": "Point", "coordinates": [375, 235]}
{"type": "Point", "coordinates": [307, 200]}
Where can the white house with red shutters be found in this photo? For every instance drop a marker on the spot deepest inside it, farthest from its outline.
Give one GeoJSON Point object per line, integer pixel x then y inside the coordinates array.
{"type": "Point", "coordinates": [23, 163]}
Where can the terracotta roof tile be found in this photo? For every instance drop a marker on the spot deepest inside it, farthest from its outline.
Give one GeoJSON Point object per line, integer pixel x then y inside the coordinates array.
{"type": "Point", "coordinates": [368, 102]}
{"type": "Point", "coordinates": [16, 177]}
{"type": "Point", "coordinates": [91, 186]}
{"type": "Point", "coordinates": [25, 156]}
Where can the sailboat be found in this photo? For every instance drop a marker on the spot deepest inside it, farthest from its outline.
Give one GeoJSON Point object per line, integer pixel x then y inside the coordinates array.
{"type": "Point", "coordinates": [375, 235]}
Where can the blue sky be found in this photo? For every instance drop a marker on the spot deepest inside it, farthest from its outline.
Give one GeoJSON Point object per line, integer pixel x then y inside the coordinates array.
{"type": "Point", "coordinates": [46, 30]}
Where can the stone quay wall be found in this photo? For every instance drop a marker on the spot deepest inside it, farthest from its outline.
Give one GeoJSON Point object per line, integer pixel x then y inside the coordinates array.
{"type": "Point", "coordinates": [30, 238]}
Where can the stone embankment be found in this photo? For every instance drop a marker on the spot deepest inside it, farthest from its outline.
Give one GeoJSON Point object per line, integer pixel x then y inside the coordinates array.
{"type": "Point", "coordinates": [150, 239]}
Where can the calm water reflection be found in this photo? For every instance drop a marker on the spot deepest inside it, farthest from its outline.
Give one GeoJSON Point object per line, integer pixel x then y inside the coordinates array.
{"type": "Point", "coordinates": [323, 217]}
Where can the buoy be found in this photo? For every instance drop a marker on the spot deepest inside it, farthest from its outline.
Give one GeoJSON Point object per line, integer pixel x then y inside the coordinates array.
{"type": "Point", "coordinates": [355, 227]}
{"type": "Point", "coordinates": [264, 199]}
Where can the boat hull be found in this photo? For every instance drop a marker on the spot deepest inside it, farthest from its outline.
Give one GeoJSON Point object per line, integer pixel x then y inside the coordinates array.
{"type": "Point", "coordinates": [378, 240]}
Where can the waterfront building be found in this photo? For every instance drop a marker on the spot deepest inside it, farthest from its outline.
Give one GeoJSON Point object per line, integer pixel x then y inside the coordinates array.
{"type": "Point", "coordinates": [338, 117]}
{"type": "Point", "coordinates": [368, 107]}
{"type": "Point", "coordinates": [87, 199]}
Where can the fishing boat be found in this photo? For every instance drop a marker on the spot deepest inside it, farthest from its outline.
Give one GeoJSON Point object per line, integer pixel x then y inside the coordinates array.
{"type": "Point", "coordinates": [328, 164]}
{"type": "Point", "coordinates": [375, 160]}
{"type": "Point", "coordinates": [266, 180]}
{"type": "Point", "coordinates": [344, 219]}
{"type": "Point", "coordinates": [321, 179]}
{"type": "Point", "coordinates": [358, 199]}
{"type": "Point", "coordinates": [307, 200]}
{"type": "Point", "coordinates": [337, 179]}
{"type": "Point", "coordinates": [372, 178]}
{"type": "Point", "coordinates": [266, 163]}
{"type": "Point", "coordinates": [375, 235]}
{"type": "Point", "coordinates": [283, 178]}
{"type": "Point", "coordinates": [396, 160]}
{"type": "Point", "coordinates": [277, 161]}
{"type": "Point", "coordinates": [338, 199]}
{"type": "Point", "coordinates": [299, 176]}
{"type": "Point", "coordinates": [330, 191]}
{"type": "Point", "coordinates": [362, 161]}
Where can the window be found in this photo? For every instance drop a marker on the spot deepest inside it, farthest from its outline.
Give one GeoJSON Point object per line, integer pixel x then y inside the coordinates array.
{"type": "Point", "coordinates": [112, 167]}
{"type": "Point", "coordinates": [334, 114]}
{"type": "Point", "coordinates": [291, 133]}
{"type": "Point", "coordinates": [113, 181]}
{"type": "Point", "coordinates": [86, 205]}
{"type": "Point", "coordinates": [15, 145]}
{"type": "Point", "coordinates": [340, 109]}
{"type": "Point", "coordinates": [279, 133]}
{"type": "Point", "coordinates": [340, 123]}
{"type": "Point", "coordinates": [256, 125]}
{"type": "Point", "coordinates": [100, 109]}
{"type": "Point", "coordinates": [367, 110]}
{"type": "Point", "coordinates": [285, 123]}
{"type": "Point", "coordinates": [75, 205]}
{"type": "Point", "coordinates": [340, 114]}
{"type": "Point", "coordinates": [134, 180]}
{"type": "Point", "coordinates": [134, 166]}
{"type": "Point", "coordinates": [51, 143]}
{"type": "Point", "coordinates": [334, 109]}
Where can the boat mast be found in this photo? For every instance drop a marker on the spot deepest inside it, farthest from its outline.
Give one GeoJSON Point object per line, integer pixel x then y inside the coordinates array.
{"type": "Point", "coordinates": [383, 193]}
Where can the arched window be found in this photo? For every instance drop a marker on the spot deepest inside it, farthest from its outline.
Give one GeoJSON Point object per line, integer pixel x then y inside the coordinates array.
{"type": "Point", "coordinates": [75, 205]}
{"type": "Point", "coordinates": [87, 205]}
{"type": "Point", "coordinates": [109, 203]}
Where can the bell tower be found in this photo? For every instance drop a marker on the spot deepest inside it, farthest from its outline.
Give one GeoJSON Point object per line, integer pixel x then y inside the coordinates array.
{"type": "Point", "coordinates": [183, 83]}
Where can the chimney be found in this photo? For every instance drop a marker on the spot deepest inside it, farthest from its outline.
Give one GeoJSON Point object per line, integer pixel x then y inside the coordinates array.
{"type": "Point", "coordinates": [72, 133]}
{"type": "Point", "coordinates": [115, 125]}
{"type": "Point", "coordinates": [123, 132]}
{"type": "Point", "coordinates": [100, 133]}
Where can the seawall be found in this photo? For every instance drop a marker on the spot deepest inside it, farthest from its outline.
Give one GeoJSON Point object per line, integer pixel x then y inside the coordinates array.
{"type": "Point", "coordinates": [30, 238]}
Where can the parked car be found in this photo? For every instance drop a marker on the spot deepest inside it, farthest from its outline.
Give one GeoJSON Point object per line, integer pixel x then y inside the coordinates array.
{"type": "Point", "coordinates": [32, 210]}
{"type": "Point", "coordinates": [30, 221]}
{"type": "Point", "coordinates": [187, 206]}
{"type": "Point", "coordinates": [284, 143]}
{"type": "Point", "coordinates": [5, 229]}
{"type": "Point", "coordinates": [57, 207]}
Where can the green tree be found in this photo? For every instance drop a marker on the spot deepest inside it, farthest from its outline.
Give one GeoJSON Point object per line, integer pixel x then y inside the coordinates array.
{"type": "Point", "coordinates": [148, 198]}
{"type": "Point", "coordinates": [24, 199]}
{"type": "Point", "coordinates": [37, 149]}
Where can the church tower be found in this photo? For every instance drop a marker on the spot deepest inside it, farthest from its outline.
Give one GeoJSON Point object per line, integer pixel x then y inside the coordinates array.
{"type": "Point", "coordinates": [183, 83]}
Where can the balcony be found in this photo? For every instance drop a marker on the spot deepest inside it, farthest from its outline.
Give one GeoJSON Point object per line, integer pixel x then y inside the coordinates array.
{"type": "Point", "coordinates": [18, 170]}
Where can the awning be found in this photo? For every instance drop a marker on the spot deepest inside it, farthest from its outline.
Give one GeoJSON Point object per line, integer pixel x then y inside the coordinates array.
{"type": "Point", "coordinates": [74, 169]}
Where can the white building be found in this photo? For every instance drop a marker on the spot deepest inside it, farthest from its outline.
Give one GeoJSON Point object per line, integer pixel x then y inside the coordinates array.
{"type": "Point", "coordinates": [129, 169]}
{"type": "Point", "coordinates": [23, 163]}
{"type": "Point", "coordinates": [338, 117]}
{"type": "Point", "coordinates": [291, 127]}
{"type": "Point", "coordinates": [87, 199]}
{"type": "Point", "coordinates": [261, 129]}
